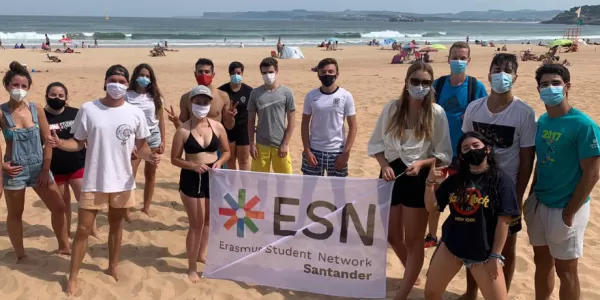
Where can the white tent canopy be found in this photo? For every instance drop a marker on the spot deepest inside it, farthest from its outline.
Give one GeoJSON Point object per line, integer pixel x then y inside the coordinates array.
{"type": "Point", "coordinates": [292, 53]}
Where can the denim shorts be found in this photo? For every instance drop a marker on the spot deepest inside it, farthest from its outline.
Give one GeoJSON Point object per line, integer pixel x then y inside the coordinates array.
{"type": "Point", "coordinates": [28, 177]}
{"type": "Point", "coordinates": [154, 140]}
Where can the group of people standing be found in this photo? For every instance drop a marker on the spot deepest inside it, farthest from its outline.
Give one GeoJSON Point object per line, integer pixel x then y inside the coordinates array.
{"type": "Point", "coordinates": [447, 143]}
{"type": "Point", "coordinates": [444, 142]}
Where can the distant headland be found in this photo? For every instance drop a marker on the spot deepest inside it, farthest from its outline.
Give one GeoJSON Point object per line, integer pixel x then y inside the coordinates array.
{"type": "Point", "coordinates": [590, 15]}
{"type": "Point", "coordinates": [387, 16]}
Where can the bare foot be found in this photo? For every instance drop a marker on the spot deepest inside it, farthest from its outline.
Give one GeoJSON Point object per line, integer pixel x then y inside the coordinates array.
{"type": "Point", "coordinates": [23, 260]}
{"type": "Point", "coordinates": [467, 296]}
{"type": "Point", "coordinates": [112, 271]}
{"type": "Point", "coordinates": [397, 285]}
{"type": "Point", "coordinates": [127, 217]}
{"type": "Point", "coordinates": [147, 212]}
{"type": "Point", "coordinates": [66, 251]}
{"type": "Point", "coordinates": [71, 287]}
{"type": "Point", "coordinates": [193, 276]}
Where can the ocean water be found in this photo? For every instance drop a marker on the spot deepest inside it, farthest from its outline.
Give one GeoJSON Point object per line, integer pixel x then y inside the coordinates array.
{"type": "Point", "coordinates": [179, 32]}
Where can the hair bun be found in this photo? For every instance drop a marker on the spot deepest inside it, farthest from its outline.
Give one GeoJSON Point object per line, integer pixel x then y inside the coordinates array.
{"type": "Point", "coordinates": [15, 66]}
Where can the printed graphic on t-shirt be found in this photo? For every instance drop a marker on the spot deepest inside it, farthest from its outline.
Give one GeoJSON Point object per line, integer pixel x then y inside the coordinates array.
{"type": "Point", "coordinates": [124, 132]}
{"type": "Point", "coordinates": [243, 99]}
{"type": "Point", "coordinates": [336, 102]}
{"type": "Point", "coordinates": [473, 203]}
{"type": "Point", "coordinates": [502, 136]}
{"type": "Point", "coordinates": [550, 139]}
{"type": "Point", "coordinates": [61, 126]}
{"type": "Point", "coordinates": [453, 106]}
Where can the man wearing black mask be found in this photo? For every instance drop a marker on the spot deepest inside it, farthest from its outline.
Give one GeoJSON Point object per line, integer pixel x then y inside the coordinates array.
{"type": "Point", "coordinates": [326, 145]}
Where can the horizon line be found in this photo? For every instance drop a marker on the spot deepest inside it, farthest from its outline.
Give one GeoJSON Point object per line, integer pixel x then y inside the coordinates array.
{"type": "Point", "coordinates": [265, 11]}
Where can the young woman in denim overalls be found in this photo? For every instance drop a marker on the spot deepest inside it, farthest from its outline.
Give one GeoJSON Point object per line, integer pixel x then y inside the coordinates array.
{"type": "Point", "coordinates": [27, 163]}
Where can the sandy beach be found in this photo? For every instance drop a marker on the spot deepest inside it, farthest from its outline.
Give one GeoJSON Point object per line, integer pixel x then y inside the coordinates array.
{"type": "Point", "coordinates": [153, 261]}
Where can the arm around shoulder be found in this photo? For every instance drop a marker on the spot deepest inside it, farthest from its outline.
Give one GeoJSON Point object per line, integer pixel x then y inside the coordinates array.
{"type": "Point", "coordinates": [442, 146]}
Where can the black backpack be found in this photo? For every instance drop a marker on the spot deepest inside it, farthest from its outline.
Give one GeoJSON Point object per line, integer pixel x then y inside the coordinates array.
{"type": "Point", "coordinates": [471, 85]}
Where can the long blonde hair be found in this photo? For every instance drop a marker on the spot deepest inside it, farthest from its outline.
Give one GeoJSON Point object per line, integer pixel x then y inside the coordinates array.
{"type": "Point", "coordinates": [423, 129]}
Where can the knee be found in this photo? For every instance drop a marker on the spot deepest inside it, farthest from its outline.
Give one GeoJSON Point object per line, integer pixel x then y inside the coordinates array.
{"type": "Point", "coordinates": [196, 226]}
{"type": "Point", "coordinates": [566, 271]}
{"type": "Point", "coordinates": [83, 231]}
{"type": "Point", "coordinates": [412, 243]}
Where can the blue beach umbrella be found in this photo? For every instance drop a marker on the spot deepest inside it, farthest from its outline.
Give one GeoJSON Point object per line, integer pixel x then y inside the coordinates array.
{"type": "Point", "coordinates": [389, 41]}
{"type": "Point", "coordinates": [332, 40]}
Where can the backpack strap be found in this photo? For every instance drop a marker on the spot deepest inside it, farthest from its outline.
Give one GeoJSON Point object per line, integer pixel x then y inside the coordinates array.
{"type": "Point", "coordinates": [472, 86]}
{"type": "Point", "coordinates": [439, 86]}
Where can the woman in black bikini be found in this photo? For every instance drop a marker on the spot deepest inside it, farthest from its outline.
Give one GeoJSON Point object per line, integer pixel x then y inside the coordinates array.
{"type": "Point", "coordinates": [200, 138]}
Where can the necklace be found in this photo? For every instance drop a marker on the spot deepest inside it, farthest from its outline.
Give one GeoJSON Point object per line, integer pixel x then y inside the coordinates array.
{"type": "Point", "coordinates": [477, 172]}
{"type": "Point", "coordinates": [474, 184]}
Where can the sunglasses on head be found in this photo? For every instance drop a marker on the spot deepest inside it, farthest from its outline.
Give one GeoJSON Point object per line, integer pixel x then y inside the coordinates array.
{"type": "Point", "coordinates": [417, 82]}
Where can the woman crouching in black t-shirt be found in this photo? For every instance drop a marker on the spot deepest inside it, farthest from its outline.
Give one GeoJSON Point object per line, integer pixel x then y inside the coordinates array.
{"type": "Point", "coordinates": [482, 200]}
{"type": "Point", "coordinates": [67, 167]}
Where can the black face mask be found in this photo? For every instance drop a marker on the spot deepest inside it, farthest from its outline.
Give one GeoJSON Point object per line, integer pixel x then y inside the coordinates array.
{"type": "Point", "coordinates": [327, 80]}
{"type": "Point", "coordinates": [474, 157]}
{"type": "Point", "coordinates": [56, 103]}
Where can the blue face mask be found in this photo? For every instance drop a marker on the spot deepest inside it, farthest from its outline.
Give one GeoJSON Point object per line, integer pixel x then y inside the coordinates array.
{"type": "Point", "coordinates": [458, 66]}
{"type": "Point", "coordinates": [236, 79]}
{"type": "Point", "coordinates": [143, 81]}
{"type": "Point", "coordinates": [502, 82]}
{"type": "Point", "coordinates": [552, 95]}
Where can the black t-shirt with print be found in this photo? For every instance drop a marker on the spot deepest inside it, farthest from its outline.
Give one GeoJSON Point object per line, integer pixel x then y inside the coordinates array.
{"type": "Point", "coordinates": [470, 228]}
{"type": "Point", "coordinates": [241, 97]}
{"type": "Point", "coordinates": [64, 162]}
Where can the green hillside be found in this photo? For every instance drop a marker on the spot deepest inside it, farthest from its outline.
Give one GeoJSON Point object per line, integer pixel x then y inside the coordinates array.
{"type": "Point", "coordinates": [590, 14]}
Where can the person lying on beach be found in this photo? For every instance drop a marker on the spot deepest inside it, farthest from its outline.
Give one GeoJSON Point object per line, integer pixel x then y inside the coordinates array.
{"type": "Point", "coordinates": [53, 58]}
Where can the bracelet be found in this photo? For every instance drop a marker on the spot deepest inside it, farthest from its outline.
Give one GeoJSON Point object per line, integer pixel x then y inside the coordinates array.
{"type": "Point", "coordinates": [498, 256]}
{"type": "Point", "coordinates": [428, 182]}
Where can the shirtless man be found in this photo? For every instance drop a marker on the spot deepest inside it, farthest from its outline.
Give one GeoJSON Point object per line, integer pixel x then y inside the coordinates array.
{"type": "Point", "coordinates": [221, 109]}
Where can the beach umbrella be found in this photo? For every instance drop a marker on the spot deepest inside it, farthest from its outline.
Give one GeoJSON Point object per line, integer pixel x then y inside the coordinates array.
{"type": "Point", "coordinates": [428, 49]}
{"type": "Point", "coordinates": [562, 43]}
{"type": "Point", "coordinates": [65, 40]}
{"type": "Point", "coordinates": [389, 41]}
{"type": "Point", "coordinates": [332, 40]}
{"type": "Point", "coordinates": [410, 46]}
{"type": "Point", "coordinates": [438, 47]}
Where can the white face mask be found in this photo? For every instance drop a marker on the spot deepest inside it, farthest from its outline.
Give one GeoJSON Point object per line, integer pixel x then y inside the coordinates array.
{"type": "Point", "coordinates": [200, 111]}
{"type": "Point", "coordinates": [116, 90]}
{"type": "Point", "coordinates": [418, 92]}
{"type": "Point", "coordinates": [18, 94]}
{"type": "Point", "coordinates": [269, 78]}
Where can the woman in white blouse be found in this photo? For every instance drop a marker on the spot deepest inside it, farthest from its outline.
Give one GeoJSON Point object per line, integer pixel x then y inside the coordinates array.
{"type": "Point", "coordinates": [410, 134]}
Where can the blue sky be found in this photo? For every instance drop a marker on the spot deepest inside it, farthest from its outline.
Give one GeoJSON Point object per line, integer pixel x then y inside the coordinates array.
{"type": "Point", "coordinates": [168, 8]}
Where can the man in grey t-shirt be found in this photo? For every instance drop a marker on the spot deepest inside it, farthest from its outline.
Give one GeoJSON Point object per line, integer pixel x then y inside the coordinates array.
{"type": "Point", "coordinates": [273, 103]}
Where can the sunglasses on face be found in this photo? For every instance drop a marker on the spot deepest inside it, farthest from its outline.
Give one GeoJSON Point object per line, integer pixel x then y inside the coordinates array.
{"type": "Point", "coordinates": [417, 82]}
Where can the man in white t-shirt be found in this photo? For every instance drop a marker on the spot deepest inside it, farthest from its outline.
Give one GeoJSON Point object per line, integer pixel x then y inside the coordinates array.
{"type": "Point", "coordinates": [326, 147]}
{"type": "Point", "coordinates": [510, 124]}
{"type": "Point", "coordinates": [111, 128]}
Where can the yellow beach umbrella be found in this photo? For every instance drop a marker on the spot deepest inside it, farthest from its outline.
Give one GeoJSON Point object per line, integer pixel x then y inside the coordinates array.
{"type": "Point", "coordinates": [438, 46]}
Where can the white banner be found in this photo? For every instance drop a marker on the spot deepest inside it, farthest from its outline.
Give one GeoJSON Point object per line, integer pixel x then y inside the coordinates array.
{"type": "Point", "coordinates": [316, 234]}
